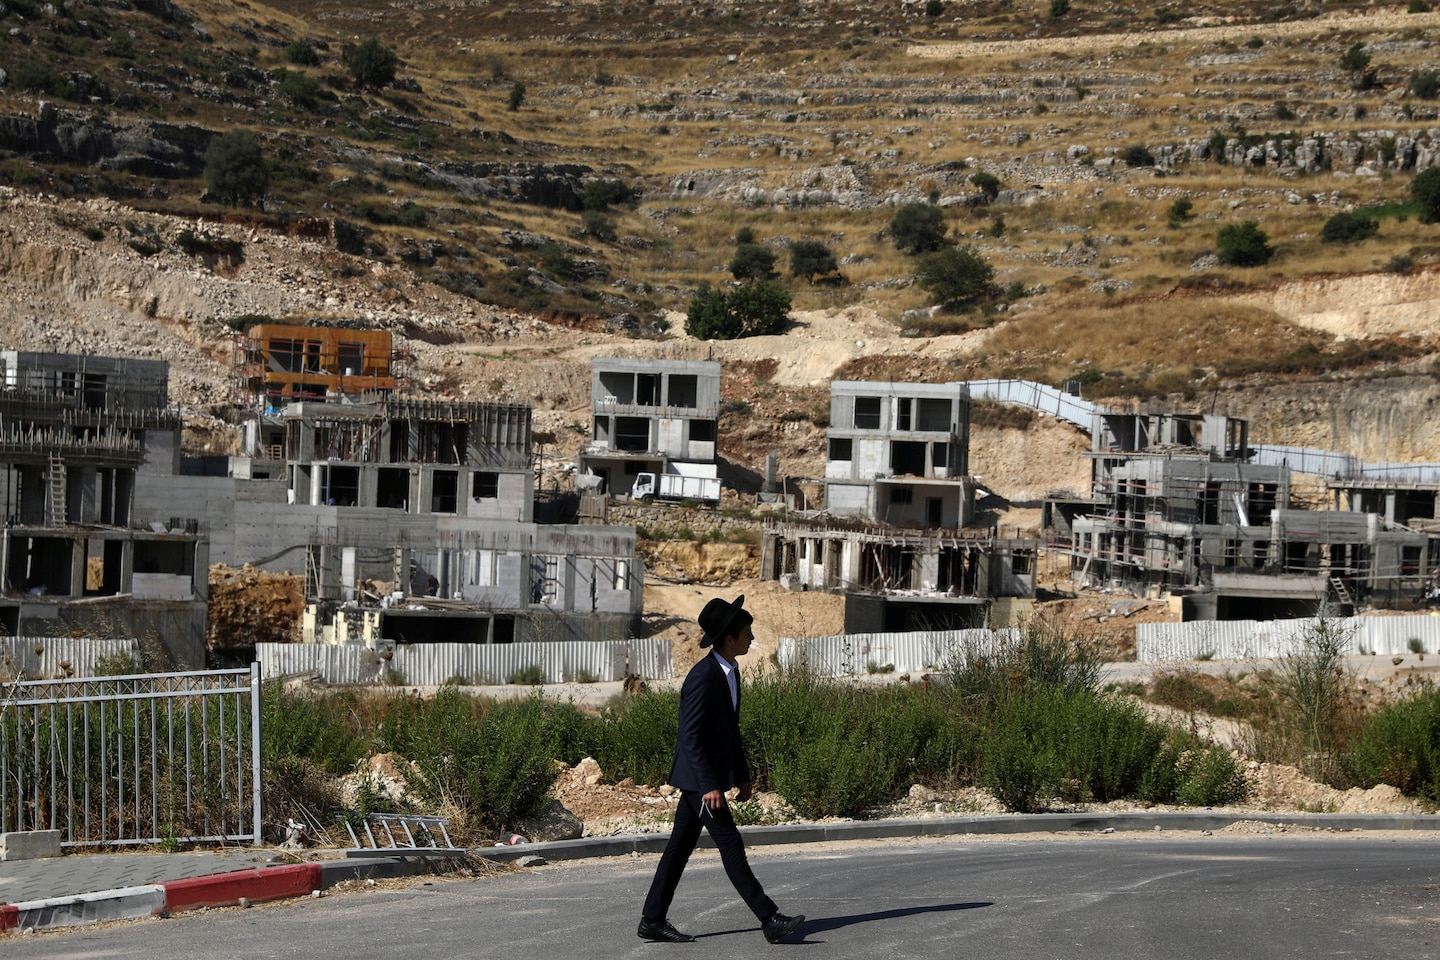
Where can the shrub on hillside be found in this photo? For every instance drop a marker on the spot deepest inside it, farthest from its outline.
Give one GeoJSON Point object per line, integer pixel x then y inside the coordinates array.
{"type": "Point", "coordinates": [918, 228]}
{"type": "Point", "coordinates": [1425, 189]}
{"type": "Point", "coordinates": [958, 277]}
{"type": "Point", "coordinates": [235, 168]}
{"type": "Point", "coordinates": [372, 64]}
{"type": "Point", "coordinates": [302, 54]}
{"type": "Point", "coordinates": [752, 262]}
{"type": "Point", "coordinates": [811, 259]}
{"type": "Point", "coordinates": [987, 183]}
{"type": "Point", "coordinates": [602, 194]}
{"type": "Point", "coordinates": [1138, 156]}
{"type": "Point", "coordinates": [1425, 84]}
{"type": "Point", "coordinates": [1243, 245]}
{"type": "Point", "coordinates": [1349, 228]}
{"type": "Point", "coordinates": [756, 308]}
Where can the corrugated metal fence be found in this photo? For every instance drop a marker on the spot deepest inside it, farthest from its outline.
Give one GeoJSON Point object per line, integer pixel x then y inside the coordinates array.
{"type": "Point", "coordinates": [432, 664]}
{"type": "Point", "coordinates": [858, 653]}
{"type": "Point", "coordinates": [1259, 639]}
{"type": "Point", "coordinates": [54, 658]}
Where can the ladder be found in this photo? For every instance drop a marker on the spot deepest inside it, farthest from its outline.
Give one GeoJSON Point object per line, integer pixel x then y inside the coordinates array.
{"type": "Point", "coordinates": [399, 833]}
{"type": "Point", "coordinates": [55, 492]}
{"type": "Point", "coordinates": [1342, 592]}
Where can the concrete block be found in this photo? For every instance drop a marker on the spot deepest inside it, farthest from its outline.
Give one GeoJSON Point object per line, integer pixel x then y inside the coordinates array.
{"type": "Point", "coordinates": [127, 903]}
{"type": "Point", "coordinates": [30, 845]}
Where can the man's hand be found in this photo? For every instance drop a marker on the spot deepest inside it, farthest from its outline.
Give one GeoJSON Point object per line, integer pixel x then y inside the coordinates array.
{"type": "Point", "coordinates": [745, 789]}
{"type": "Point", "coordinates": [715, 800]}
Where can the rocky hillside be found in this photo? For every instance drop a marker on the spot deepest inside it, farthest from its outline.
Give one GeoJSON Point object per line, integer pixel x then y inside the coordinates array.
{"type": "Point", "coordinates": [456, 204]}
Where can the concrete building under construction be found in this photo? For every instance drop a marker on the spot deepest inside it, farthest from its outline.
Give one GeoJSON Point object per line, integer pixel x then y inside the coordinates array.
{"type": "Point", "coordinates": [892, 535]}
{"type": "Point", "coordinates": [1175, 508]}
{"type": "Point", "coordinates": [650, 416]}
{"type": "Point", "coordinates": [81, 551]}
{"type": "Point", "coordinates": [411, 519]}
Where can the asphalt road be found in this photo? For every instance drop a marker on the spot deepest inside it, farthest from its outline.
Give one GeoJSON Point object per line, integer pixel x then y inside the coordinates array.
{"type": "Point", "coordinates": [1114, 897]}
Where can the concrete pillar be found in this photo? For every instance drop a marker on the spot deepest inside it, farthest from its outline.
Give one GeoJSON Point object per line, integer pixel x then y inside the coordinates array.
{"type": "Point", "coordinates": [77, 567]}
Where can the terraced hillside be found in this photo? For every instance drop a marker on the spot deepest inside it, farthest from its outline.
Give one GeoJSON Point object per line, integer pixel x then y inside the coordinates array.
{"type": "Point", "coordinates": [1090, 155]}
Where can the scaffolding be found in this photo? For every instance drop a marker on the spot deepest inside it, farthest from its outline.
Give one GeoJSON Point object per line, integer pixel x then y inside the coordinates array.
{"type": "Point", "coordinates": [275, 364]}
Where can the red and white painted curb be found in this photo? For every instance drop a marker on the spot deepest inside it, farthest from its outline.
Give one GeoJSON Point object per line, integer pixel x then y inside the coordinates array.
{"type": "Point", "coordinates": [128, 903]}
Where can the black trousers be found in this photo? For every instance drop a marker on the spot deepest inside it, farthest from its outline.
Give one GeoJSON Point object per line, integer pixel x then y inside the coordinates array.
{"type": "Point", "coordinates": [689, 816]}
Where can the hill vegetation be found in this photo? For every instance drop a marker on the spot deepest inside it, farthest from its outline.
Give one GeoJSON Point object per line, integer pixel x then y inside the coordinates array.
{"type": "Point", "coordinates": [1109, 192]}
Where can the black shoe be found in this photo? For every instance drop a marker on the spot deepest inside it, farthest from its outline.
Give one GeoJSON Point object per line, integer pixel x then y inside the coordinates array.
{"type": "Point", "coordinates": [779, 926]}
{"type": "Point", "coordinates": [661, 932]}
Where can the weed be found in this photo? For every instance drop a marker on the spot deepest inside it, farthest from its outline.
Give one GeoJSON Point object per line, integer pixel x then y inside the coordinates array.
{"type": "Point", "coordinates": [533, 675]}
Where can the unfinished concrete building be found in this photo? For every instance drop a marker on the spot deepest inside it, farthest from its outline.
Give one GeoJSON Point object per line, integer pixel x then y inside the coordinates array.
{"type": "Point", "coordinates": [890, 538]}
{"type": "Point", "coordinates": [901, 580]}
{"type": "Point", "coordinates": [898, 453]}
{"type": "Point", "coordinates": [79, 435]}
{"type": "Point", "coordinates": [412, 520]}
{"type": "Point", "coordinates": [1177, 510]}
{"type": "Point", "coordinates": [650, 416]}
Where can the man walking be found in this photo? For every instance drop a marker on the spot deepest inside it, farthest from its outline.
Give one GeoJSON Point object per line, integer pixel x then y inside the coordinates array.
{"type": "Point", "coordinates": [710, 759]}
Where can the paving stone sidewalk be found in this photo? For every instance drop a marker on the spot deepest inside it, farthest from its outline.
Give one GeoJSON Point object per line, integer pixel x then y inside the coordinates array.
{"type": "Point", "coordinates": [25, 880]}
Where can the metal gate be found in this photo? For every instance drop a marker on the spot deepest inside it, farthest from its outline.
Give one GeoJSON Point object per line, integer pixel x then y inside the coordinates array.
{"type": "Point", "coordinates": [133, 760]}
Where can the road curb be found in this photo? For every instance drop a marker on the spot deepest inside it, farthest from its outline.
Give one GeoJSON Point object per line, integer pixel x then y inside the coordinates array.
{"type": "Point", "coordinates": [999, 824]}
{"type": "Point", "coordinates": [255, 885]}
{"type": "Point", "coordinates": [126, 903]}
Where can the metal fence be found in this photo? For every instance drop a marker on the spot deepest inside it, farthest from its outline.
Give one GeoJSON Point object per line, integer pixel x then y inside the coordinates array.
{"type": "Point", "coordinates": [1037, 396]}
{"type": "Point", "coordinates": [39, 658]}
{"type": "Point", "coordinates": [431, 664]}
{"type": "Point", "coordinates": [856, 653]}
{"type": "Point", "coordinates": [133, 760]}
{"type": "Point", "coordinates": [1261, 639]}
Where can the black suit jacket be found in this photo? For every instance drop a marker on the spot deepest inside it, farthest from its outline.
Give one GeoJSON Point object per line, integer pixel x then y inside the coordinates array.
{"type": "Point", "coordinates": [708, 752]}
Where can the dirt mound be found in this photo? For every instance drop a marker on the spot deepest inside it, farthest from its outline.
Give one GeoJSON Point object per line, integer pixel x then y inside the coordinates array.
{"type": "Point", "coordinates": [249, 606]}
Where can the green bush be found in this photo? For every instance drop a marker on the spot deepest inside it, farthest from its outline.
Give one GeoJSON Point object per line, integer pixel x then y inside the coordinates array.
{"type": "Point", "coordinates": [835, 771]}
{"type": "Point", "coordinates": [1211, 777]}
{"type": "Point", "coordinates": [300, 89]}
{"type": "Point", "coordinates": [752, 262]}
{"type": "Point", "coordinates": [325, 730]}
{"type": "Point", "coordinates": [599, 226]}
{"type": "Point", "coordinates": [755, 308]}
{"type": "Point", "coordinates": [987, 183]}
{"type": "Point", "coordinates": [959, 277]}
{"type": "Point", "coordinates": [1243, 245]}
{"type": "Point", "coordinates": [602, 194]}
{"type": "Point", "coordinates": [1425, 84]}
{"type": "Point", "coordinates": [1400, 745]}
{"type": "Point", "coordinates": [302, 54]}
{"type": "Point", "coordinates": [1138, 156]}
{"type": "Point", "coordinates": [235, 168]}
{"type": "Point", "coordinates": [531, 676]}
{"type": "Point", "coordinates": [372, 64]}
{"type": "Point", "coordinates": [1181, 210]}
{"type": "Point", "coordinates": [489, 759]}
{"type": "Point", "coordinates": [1349, 228]}
{"type": "Point", "coordinates": [918, 228]}
{"type": "Point", "coordinates": [1425, 190]}
{"type": "Point", "coordinates": [637, 737]}
{"type": "Point", "coordinates": [811, 259]}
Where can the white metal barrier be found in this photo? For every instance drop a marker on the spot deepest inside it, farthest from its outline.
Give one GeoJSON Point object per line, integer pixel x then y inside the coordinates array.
{"type": "Point", "coordinates": [856, 653]}
{"type": "Point", "coordinates": [1261, 639]}
{"type": "Point", "coordinates": [432, 664]}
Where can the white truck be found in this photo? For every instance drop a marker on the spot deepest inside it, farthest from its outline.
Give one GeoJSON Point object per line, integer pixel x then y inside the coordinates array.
{"type": "Point", "coordinates": [650, 487]}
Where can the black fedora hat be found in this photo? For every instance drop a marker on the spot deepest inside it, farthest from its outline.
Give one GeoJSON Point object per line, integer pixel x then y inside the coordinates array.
{"type": "Point", "coordinates": [719, 616]}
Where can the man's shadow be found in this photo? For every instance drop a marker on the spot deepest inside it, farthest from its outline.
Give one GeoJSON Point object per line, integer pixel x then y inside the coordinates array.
{"type": "Point", "coordinates": [822, 924]}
